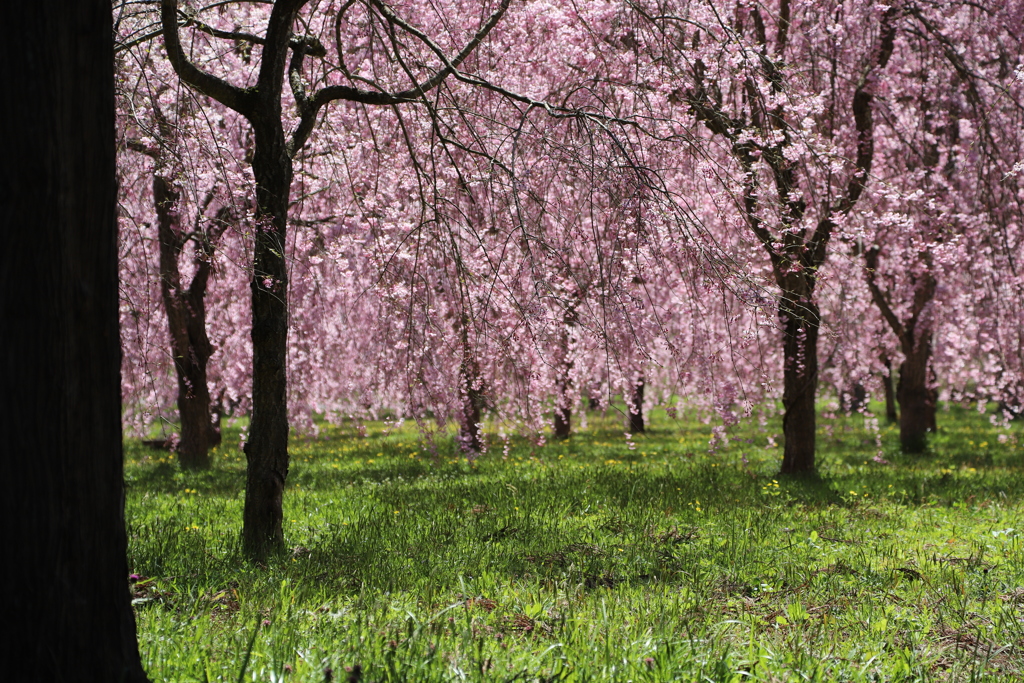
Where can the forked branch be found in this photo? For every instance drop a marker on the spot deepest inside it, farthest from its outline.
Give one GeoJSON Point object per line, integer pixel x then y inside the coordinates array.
{"type": "Point", "coordinates": [242, 100]}
{"type": "Point", "coordinates": [310, 108]}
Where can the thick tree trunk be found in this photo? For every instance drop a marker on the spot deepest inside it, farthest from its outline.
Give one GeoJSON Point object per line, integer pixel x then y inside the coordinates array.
{"type": "Point", "coordinates": [64, 582]}
{"type": "Point", "coordinates": [800, 384]}
{"type": "Point", "coordinates": [636, 408]}
{"type": "Point", "coordinates": [266, 449]}
{"type": "Point", "coordinates": [917, 403]}
{"type": "Point", "coordinates": [186, 318]}
{"type": "Point", "coordinates": [890, 394]}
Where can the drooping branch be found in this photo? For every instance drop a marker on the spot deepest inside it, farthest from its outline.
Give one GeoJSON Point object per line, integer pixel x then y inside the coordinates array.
{"type": "Point", "coordinates": [449, 66]}
{"type": "Point", "coordinates": [311, 108]}
{"type": "Point", "coordinates": [750, 204]}
{"type": "Point", "coordinates": [865, 127]}
{"type": "Point", "coordinates": [204, 254]}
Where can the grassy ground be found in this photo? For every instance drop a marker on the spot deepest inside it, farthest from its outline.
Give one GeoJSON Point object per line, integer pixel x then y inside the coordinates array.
{"type": "Point", "coordinates": [587, 561]}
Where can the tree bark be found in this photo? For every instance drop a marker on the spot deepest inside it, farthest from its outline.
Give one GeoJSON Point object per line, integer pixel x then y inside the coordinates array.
{"type": "Point", "coordinates": [917, 404]}
{"type": "Point", "coordinates": [636, 408]}
{"type": "Point", "coordinates": [266, 449]}
{"type": "Point", "coordinates": [800, 382]}
{"type": "Point", "coordinates": [563, 422]}
{"type": "Point", "coordinates": [186, 318]}
{"type": "Point", "coordinates": [917, 400]}
{"type": "Point", "coordinates": [470, 438]}
{"type": "Point", "coordinates": [854, 399]}
{"type": "Point", "coordinates": [933, 402]}
{"type": "Point", "coordinates": [890, 394]}
{"type": "Point", "coordinates": [472, 404]}
{"type": "Point", "coordinates": [563, 399]}
{"type": "Point", "coordinates": [64, 586]}
{"type": "Point", "coordinates": [795, 255]}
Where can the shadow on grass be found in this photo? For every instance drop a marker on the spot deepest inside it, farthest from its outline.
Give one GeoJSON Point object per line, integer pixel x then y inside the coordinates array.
{"type": "Point", "coordinates": [169, 478]}
{"type": "Point", "coordinates": [812, 489]}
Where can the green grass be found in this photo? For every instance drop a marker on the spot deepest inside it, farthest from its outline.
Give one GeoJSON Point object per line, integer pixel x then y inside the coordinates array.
{"type": "Point", "coordinates": [587, 561]}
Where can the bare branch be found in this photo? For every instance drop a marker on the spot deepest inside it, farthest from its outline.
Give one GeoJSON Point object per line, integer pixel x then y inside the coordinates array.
{"type": "Point", "coordinates": [351, 94]}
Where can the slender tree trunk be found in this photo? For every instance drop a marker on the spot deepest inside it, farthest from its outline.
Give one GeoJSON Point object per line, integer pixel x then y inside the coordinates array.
{"type": "Point", "coordinates": [917, 400]}
{"type": "Point", "coordinates": [636, 408]}
{"type": "Point", "coordinates": [469, 425]}
{"type": "Point", "coordinates": [471, 396]}
{"type": "Point", "coordinates": [186, 318]}
{"type": "Point", "coordinates": [207, 415]}
{"type": "Point", "coordinates": [890, 394]}
{"type": "Point", "coordinates": [563, 404]}
{"type": "Point", "coordinates": [800, 383]}
{"type": "Point", "coordinates": [266, 449]}
{"type": "Point", "coordinates": [917, 405]}
{"type": "Point", "coordinates": [472, 405]}
{"type": "Point", "coordinates": [63, 582]}
{"type": "Point", "coordinates": [200, 340]}
{"type": "Point", "coordinates": [854, 398]}
{"type": "Point", "coordinates": [563, 421]}
{"type": "Point", "coordinates": [564, 389]}
{"type": "Point", "coordinates": [933, 402]}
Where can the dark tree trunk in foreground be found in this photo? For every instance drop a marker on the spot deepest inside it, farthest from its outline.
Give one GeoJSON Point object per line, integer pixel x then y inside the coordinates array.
{"type": "Point", "coordinates": [636, 408]}
{"type": "Point", "coordinates": [266, 450]}
{"type": "Point", "coordinates": [66, 604]}
{"type": "Point", "coordinates": [800, 382]}
{"type": "Point", "coordinates": [186, 318]}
